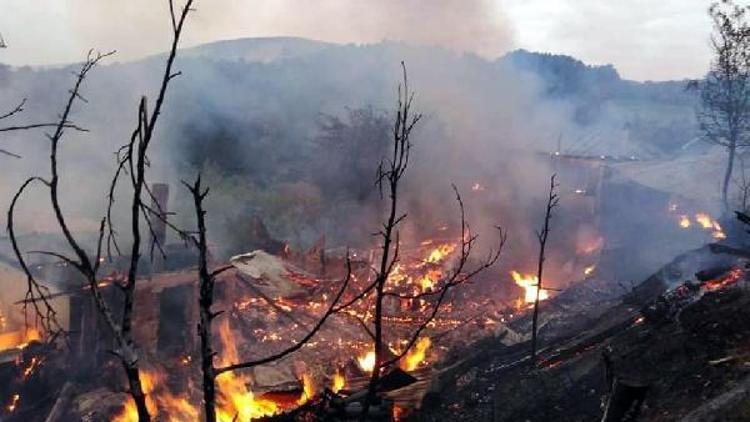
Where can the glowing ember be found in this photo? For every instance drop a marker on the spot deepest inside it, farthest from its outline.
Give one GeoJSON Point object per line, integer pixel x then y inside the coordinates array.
{"type": "Point", "coordinates": [728, 279]}
{"type": "Point", "coordinates": [685, 222]}
{"type": "Point", "coordinates": [13, 403]}
{"type": "Point", "coordinates": [367, 362]}
{"type": "Point", "coordinates": [32, 366]}
{"type": "Point", "coordinates": [530, 283]}
{"type": "Point", "coordinates": [416, 355]}
{"type": "Point", "coordinates": [338, 383]}
{"type": "Point", "coordinates": [398, 413]}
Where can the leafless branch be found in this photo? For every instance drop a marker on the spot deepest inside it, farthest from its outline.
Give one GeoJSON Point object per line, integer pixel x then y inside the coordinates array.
{"type": "Point", "coordinates": [553, 199]}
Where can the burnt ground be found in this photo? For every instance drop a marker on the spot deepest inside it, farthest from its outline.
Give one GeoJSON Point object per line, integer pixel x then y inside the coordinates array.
{"type": "Point", "coordinates": [696, 365]}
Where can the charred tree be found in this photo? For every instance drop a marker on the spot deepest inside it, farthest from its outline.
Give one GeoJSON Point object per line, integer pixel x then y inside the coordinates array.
{"type": "Point", "coordinates": [18, 109]}
{"type": "Point", "coordinates": [542, 235]}
{"type": "Point", "coordinates": [133, 160]}
{"type": "Point", "coordinates": [389, 177]}
{"type": "Point", "coordinates": [724, 113]}
{"type": "Point", "coordinates": [205, 302]}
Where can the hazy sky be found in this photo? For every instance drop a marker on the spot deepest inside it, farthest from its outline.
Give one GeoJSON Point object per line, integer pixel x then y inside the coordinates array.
{"type": "Point", "coordinates": [644, 39]}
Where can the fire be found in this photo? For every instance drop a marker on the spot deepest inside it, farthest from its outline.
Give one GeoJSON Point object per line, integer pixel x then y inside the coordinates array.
{"type": "Point", "coordinates": [338, 383]}
{"type": "Point", "coordinates": [440, 253]}
{"type": "Point", "coordinates": [398, 413]}
{"type": "Point", "coordinates": [589, 270]}
{"type": "Point", "coordinates": [429, 280]}
{"type": "Point", "coordinates": [530, 284]}
{"type": "Point", "coordinates": [367, 362]}
{"type": "Point", "coordinates": [13, 403]}
{"type": "Point", "coordinates": [308, 389]}
{"type": "Point", "coordinates": [416, 355]}
{"type": "Point", "coordinates": [159, 401]}
{"type": "Point", "coordinates": [235, 401]}
{"type": "Point", "coordinates": [705, 222]}
{"type": "Point", "coordinates": [32, 366]}
{"type": "Point", "coordinates": [18, 339]}
{"type": "Point", "coordinates": [730, 278]}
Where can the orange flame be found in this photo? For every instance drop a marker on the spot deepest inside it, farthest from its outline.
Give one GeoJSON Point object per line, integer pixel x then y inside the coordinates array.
{"type": "Point", "coordinates": [530, 284]}
{"type": "Point", "coordinates": [308, 389]}
{"type": "Point", "coordinates": [440, 253]}
{"type": "Point", "coordinates": [367, 361]}
{"type": "Point", "coordinates": [159, 401]}
{"type": "Point", "coordinates": [13, 403]}
{"type": "Point", "coordinates": [338, 383]}
{"type": "Point", "coordinates": [398, 413]}
{"type": "Point", "coordinates": [235, 400]}
{"type": "Point", "coordinates": [705, 222]}
{"type": "Point", "coordinates": [730, 278]}
{"type": "Point", "coordinates": [416, 355]}
{"type": "Point", "coordinates": [18, 339]}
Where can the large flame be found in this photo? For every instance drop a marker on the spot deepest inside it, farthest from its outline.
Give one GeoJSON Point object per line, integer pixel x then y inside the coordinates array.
{"type": "Point", "coordinates": [235, 400]}
{"type": "Point", "coordinates": [530, 284]}
{"type": "Point", "coordinates": [416, 355]}
{"type": "Point", "coordinates": [159, 401]}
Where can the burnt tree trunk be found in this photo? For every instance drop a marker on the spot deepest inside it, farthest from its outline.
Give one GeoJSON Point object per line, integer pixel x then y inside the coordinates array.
{"type": "Point", "coordinates": [542, 236]}
{"type": "Point", "coordinates": [205, 301]}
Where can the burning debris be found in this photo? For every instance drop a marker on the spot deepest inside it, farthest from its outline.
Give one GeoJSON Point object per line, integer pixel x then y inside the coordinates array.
{"type": "Point", "coordinates": [379, 332]}
{"type": "Point", "coordinates": [698, 220]}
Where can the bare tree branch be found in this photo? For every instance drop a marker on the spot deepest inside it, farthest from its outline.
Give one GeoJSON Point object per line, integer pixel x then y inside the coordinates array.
{"type": "Point", "coordinates": [552, 202]}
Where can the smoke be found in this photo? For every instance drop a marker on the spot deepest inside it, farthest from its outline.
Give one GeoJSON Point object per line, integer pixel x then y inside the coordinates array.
{"type": "Point", "coordinates": [139, 27]}
{"type": "Point", "coordinates": [250, 126]}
